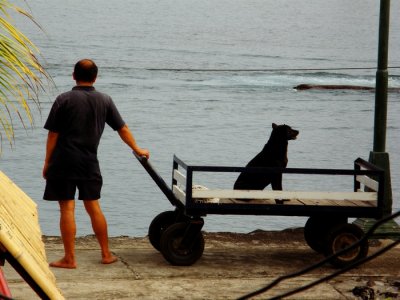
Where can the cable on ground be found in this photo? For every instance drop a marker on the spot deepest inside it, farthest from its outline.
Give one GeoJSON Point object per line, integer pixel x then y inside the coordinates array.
{"type": "Point", "coordinates": [324, 261]}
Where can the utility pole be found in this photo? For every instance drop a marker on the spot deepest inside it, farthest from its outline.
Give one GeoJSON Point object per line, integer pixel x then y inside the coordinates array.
{"type": "Point", "coordinates": [379, 156]}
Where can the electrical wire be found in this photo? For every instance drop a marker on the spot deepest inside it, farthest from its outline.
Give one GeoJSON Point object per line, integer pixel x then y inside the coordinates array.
{"type": "Point", "coordinates": [341, 271]}
{"type": "Point", "coordinates": [324, 261]}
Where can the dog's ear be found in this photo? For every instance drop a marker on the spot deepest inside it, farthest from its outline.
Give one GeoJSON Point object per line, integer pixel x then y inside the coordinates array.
{"type": "Point", "coordinates": [274, 125]}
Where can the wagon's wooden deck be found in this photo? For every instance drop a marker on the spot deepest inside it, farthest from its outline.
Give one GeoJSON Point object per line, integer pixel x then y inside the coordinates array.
{"type": "Point", "coordinates": [354, 199]}
{"type": "Point", "coordinates": [200, 195]}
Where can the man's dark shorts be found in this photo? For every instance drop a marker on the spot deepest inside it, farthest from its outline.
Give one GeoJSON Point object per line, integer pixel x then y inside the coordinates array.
{"type": "Point", "coordinates": [64, 189]}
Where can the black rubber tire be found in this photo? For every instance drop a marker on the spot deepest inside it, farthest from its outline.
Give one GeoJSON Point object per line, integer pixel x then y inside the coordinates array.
{"type": "Point", "coordinates": [317, 229]}
{"type": "Point", "coordinates": [313, 234]}
{"type": "Point", "coordinates": [159, 224]}
{"type": "Point", "coordinates": [342, 237]}
{"type": "Point", "coordinates": [176, 253]}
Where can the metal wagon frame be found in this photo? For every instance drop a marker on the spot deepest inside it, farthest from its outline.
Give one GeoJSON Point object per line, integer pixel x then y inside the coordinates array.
{"type": "Point", "coordinates": [177, 233]}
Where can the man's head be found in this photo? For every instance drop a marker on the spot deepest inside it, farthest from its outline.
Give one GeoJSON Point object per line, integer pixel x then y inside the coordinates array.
{"type": "Point", "coordinates": [85, 71]}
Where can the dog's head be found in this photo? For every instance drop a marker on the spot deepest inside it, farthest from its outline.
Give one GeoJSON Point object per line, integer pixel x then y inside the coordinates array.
{"type": "Point", "coordinates": [284, 132]}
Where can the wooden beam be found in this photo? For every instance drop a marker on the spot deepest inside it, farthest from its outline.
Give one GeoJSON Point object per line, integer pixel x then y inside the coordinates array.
{"type": "Point", "coordinates": [21, 236]}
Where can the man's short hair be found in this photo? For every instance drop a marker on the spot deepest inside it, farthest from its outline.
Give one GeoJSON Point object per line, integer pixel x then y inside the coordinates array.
{"type": "Point", "coordinates": [85, 70]}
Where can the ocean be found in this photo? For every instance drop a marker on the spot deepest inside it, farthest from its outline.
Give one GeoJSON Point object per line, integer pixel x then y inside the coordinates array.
{"type": "Point", "coordinates": [205, 80]}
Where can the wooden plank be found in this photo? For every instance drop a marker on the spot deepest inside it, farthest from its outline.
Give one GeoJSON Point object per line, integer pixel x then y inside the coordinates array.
{"type": "Point", "coordinates": [21, 236]}
{"type": "Point", "coordinates": [368, 182]}
{"type": "Point", "coordinates": [255, 201]}
{"type": "Point", "coordinates": [320, 202]}
{"type": "Point", "coordinates": [272, 195]}
{"type": "Point", "coordinates": [339, 203]}
{"type": "Point", "coordinates": [363, 203]}
{"type": "Point", "coordinates": [179, 193]}
{"type": "Point", "coordinates": [179, 177]}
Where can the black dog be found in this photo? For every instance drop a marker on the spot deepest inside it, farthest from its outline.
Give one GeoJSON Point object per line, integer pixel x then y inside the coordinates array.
{"type": "Point", "coordinates": [274, 154]}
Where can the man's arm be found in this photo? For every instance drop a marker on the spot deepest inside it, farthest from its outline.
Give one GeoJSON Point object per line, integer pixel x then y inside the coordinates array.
{"type": "Point", "coordinates": [127, 136]}
{"type": "Point", "coordinates": [52, 138]}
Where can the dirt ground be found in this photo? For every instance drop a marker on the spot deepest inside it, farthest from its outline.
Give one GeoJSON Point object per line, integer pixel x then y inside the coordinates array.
{"type": "Point", "coordinates": [232, 266]}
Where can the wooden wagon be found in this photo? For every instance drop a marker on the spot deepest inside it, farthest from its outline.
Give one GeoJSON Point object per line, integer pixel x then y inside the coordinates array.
{"type": "Point", "coordinates": [177, 233]}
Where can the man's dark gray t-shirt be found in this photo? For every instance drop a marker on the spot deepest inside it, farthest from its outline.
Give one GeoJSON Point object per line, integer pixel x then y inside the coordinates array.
{"type": "Point", "coordinates": [79, 117]}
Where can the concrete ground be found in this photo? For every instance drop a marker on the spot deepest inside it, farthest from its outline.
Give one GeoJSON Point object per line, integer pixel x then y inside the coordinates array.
{"type": "Point", "coordinates": [232, 266]}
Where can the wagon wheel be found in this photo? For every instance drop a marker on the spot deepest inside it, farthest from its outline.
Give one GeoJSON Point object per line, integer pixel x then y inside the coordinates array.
{"type": "Point", "coordinates": [342, 237]}
{"type": "Point", "coordinates": [316, 230]}
{"type": "Point", "coordinates": [161, 222]}
{"type": "Point", "coordinates": [178, 253]}
{"type": "Point", "coordinates": [313, 233]}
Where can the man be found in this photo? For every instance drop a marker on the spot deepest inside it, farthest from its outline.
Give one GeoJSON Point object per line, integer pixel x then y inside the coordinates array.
{"type": "Point", "coordinates": [75, 124]}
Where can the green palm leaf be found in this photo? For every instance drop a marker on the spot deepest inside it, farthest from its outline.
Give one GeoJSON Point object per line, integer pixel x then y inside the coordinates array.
{"type": "Point", "coordinates": [22, 76]}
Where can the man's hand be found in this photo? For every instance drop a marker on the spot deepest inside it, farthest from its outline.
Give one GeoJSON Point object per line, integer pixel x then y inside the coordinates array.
{"type": "Point", "coordinates": [52, 138]}
{"type": "Point", "coordinates": [143, 152]}
{"type": "Point", "coordinates": [44, 172]}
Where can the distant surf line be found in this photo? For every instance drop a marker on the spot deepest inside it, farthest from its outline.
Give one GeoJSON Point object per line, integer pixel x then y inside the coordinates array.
{"type": "Point", "coordinates": [263, 70]}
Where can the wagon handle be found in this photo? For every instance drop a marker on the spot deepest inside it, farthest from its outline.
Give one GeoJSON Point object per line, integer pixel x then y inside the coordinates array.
{"type": "Point", "coordinates": [140, 158]}
{"type": "Point", "coordinates": [158, 180]}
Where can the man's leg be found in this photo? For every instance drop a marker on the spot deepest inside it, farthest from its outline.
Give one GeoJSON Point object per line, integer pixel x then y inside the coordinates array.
{"type": "Point", "coordinates": [68, 232]}
{"type": "Point", "coordinates": [99, 225]}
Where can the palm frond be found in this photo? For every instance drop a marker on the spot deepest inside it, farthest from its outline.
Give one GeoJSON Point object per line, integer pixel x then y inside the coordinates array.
{"type": "Point", "coordinates": [21, 74]}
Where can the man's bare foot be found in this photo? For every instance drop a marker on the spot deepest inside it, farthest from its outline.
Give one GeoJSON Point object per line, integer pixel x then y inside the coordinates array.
{"type": "Point", "coordinates": [109, 259]}
{"type": "Point", "coordinates": [63, 263]}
